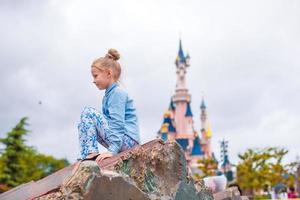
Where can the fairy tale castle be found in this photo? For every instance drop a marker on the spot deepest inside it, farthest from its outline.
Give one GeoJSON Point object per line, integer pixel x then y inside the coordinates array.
{"type": "Point", "coordinates": [178, 123]}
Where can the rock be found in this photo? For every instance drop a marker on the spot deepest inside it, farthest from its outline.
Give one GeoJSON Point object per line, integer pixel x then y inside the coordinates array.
{"type": "Point", "coordinates": [155, 170]}
{"type": "Point", "coordinates": [231, 193]}
{"type": "Point", "coordinates": [204, 192]}
{"type": "Point", "coordinates": [86, 182]}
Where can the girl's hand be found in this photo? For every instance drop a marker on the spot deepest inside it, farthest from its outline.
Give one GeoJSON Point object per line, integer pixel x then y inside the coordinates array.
{"type": "Point", "coordinates": [102, 156]}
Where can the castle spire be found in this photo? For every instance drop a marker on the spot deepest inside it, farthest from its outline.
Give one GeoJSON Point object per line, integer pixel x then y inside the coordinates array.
{"type": "Point", "coordinates": [203, 115]}
{"type": "Point", "coordinates": [206, 130]}
{"type": "Point", "coordinates": [203, 106]}
{"type": "Point", "coordinates": [181, 58]}
{"type": "Point", "coordinates": [181, 98]}
{"type": "Point", "coordinates": [180, 52]}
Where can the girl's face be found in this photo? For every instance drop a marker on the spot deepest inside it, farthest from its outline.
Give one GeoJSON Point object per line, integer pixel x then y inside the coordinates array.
{"type": "Point", "coordinates": [102, 77]}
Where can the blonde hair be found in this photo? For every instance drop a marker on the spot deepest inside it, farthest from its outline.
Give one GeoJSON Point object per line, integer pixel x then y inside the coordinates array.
{"type": "Point", "coordinates": [110, 61]}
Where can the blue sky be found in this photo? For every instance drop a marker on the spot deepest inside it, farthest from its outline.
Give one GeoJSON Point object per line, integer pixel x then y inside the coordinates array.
{"type": "Point", "coordinates": [244, 59]}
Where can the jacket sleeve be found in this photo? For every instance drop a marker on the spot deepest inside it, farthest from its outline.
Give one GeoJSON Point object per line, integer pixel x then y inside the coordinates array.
{"type": "Point", "coordinates": [116, 110]}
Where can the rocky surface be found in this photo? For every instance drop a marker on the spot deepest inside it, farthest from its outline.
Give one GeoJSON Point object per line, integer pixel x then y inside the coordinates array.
{"type": "Point", "coordinates": [86, 182]}
{"type": "Point", "coordinates": [155, 170]}
{"type": "Point", "coordinates": [231, 193]}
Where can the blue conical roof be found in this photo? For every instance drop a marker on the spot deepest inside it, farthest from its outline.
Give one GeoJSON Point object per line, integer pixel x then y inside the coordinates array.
{"type": "Point", "coordinates": [172, 128]}
{"type": "Point", "coordinates": [164, 136]}
{"type": "Point", "coordinates": [183, 142]}
{"type": "Point", "coordinates": [171, 106]}
{"type": "Point", "coordinates": [168, 120]}
{"type": "Point", "coordinates": [188, 112]}
{"type": "Point", "coordinates": [180, 53]}
{"type": "Point", "coordinates": [197, 150]}
{"type": "Point", "coordinates": [203, 106]}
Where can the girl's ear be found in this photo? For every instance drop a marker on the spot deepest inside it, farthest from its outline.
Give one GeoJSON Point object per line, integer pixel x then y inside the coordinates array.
{"type": "Point", "coordinates": [109, 73]}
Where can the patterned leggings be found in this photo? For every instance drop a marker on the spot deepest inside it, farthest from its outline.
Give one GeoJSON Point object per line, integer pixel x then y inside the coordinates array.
{"type": "Point", "coordinates": [93, 128]}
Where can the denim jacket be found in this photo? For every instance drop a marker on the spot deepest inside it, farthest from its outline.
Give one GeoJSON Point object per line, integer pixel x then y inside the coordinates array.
{"type": "Point", "coordinates": [121, 116]}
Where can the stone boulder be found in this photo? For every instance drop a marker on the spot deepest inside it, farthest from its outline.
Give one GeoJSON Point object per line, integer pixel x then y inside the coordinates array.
{"type": "Point", "coordinates": [155, 170]}
{"type": "Point", "coordinates": [231, 193]}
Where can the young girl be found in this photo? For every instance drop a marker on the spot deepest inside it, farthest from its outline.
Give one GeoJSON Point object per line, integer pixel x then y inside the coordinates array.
{"type": "Point", "coordinates": [116, 127]}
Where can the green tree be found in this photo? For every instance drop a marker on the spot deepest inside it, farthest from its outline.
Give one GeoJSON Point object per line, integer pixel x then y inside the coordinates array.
{"type": "Point", "coordinates": [20, 163]}
{"type": "Point", "coordinates": [260, 167]}
{"type": "Point", "coordinates": [208, 167]}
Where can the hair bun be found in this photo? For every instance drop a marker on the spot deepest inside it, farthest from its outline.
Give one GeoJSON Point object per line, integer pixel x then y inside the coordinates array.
{"type": "Point", "coordinates": [113, 54]}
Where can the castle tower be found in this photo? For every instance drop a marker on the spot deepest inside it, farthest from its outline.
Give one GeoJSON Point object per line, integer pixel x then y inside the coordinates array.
{"type": "Point", "coordinates": [206, 132]}
{"type": "Point", "coordinates": [178, 121]}
{"type": "Point", "coordinates": [183, 116]}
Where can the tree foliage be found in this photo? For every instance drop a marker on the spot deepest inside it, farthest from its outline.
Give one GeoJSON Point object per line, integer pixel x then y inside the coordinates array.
{"type": "Point", "coordinates": [20, 163]}
{"type": "Point", "coordinates": [260, 167]}
{"type": "Point", "coordinates": [208, 167]}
